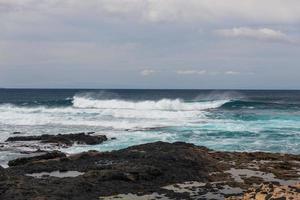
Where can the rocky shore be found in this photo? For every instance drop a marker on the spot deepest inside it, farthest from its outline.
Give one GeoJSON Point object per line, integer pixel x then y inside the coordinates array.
{"type": "Point", "coordinates": [150, 171]}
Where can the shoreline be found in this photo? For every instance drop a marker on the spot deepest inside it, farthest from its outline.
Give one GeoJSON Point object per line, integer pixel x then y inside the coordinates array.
{"type": "Point", "coordinates": [156, 170]}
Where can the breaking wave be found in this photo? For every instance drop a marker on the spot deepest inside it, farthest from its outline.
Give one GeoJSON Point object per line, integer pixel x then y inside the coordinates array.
{"type": "Point", "coordinates": [163, 104]}
{"type": "Point", "coordinates": [110, 113]}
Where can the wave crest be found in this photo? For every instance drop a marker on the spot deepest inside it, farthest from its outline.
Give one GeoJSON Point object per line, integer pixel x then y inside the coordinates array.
{"type": "Point", "coordinates": [163, 104]}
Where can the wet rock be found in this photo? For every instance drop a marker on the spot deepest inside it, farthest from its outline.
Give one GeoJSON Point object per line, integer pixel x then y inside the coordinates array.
{"type": "Point", "coordinates": [63, 139]}
{"type": "Point", "coordinates": [47, 156]}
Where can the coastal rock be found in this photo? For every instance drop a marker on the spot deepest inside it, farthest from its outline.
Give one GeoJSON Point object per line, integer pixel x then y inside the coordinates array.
{"type": "Point", "coordinates": [143, 168]}
{"type": "Point", "coordinates": [169, 170]}
{"type": "Point", "coordinates": [47, 156]}
{"type": "Point", "coordinates": [62, 139]}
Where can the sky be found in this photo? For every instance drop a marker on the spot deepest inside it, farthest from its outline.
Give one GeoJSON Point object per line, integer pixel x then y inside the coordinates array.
{"type": "Point", "coordinates": [163, 44]}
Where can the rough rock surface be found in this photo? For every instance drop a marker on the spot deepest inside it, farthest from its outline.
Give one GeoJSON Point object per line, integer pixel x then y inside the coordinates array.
{"type": "Point", "coordinates": [63, 139]}
{"type": "Point", "coordinates": [150, 171]}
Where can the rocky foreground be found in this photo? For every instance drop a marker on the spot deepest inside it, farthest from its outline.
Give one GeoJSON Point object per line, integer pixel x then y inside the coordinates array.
{"type": "Point", "coordinates": [152, 171]}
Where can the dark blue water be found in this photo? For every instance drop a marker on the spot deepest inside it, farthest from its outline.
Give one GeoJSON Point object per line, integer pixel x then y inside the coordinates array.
{"type": "Point", "coordinates": [222, 120]}
{"type": "Point", "coordinates": [56, 97]}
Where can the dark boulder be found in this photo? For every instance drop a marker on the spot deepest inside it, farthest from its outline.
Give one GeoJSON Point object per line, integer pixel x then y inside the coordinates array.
{"type": "Point", "coordinates": [63, 139]}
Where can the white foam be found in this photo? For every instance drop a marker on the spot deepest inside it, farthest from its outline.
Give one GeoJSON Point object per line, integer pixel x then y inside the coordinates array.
{"type": "Point", "coordinates": [114, 113]}
{"type": "Point", "coordinates": [163, 104]}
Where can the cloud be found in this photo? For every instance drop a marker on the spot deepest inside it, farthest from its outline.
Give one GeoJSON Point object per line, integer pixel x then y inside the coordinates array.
{"type": "Point", "coordinates": [107, 40]}
{"type": "Point", "coordinates": [287, 11]}
{"type": "Point", "coordinates": [232, 73]}
{"type": "Point", "coordinates": [191, 72]}
{"type": "Point", "coordinates": [40, 53]}
{"type": "Point", "coordinates": [210, 73]}
{"type": "Point", "coordinates": [252, 33]}
{"type": "Point", "coordinates": [147, 72]}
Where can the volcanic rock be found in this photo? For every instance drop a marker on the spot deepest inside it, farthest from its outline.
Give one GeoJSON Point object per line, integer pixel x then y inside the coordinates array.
{"type": "Point", "coordinates": [64, 139]}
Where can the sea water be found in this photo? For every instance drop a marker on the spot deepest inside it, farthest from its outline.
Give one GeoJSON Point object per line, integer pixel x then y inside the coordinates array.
{"type": "Point", "coordinates": [224, 120]}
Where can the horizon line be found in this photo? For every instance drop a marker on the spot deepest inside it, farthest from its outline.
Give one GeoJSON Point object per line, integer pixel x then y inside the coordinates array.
{"type": "Point", "coordinates": [252, 89]}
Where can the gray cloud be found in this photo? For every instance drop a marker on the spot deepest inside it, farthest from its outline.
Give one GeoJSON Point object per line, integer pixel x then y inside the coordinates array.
{"type": "Point", "coordinates": [62, 53]}
{"type": "Point", "coordinates": [167, 10]}
{"type": "Point", "coordinates": [104, 43]}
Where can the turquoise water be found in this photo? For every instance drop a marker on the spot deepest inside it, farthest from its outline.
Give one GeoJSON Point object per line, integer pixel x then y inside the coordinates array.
{"type": "Point", "coordinates": [221, 120]}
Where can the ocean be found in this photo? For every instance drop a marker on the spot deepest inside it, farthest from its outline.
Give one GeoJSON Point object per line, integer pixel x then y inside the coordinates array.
{"type": "Point", "coordinates": [226, 120]}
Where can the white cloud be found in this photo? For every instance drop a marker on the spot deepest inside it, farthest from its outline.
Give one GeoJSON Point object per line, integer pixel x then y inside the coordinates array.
{"type": "Point", "coordinates": [210, 73]}
{"type": "Point", "coordinates": [191, 72]}
{"type": "Point", "coordinates": [147, 72]}
{"type": "Point", "coordinates": [252, 33]}
{"type": "Point", "coordinates": [232, 73]}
